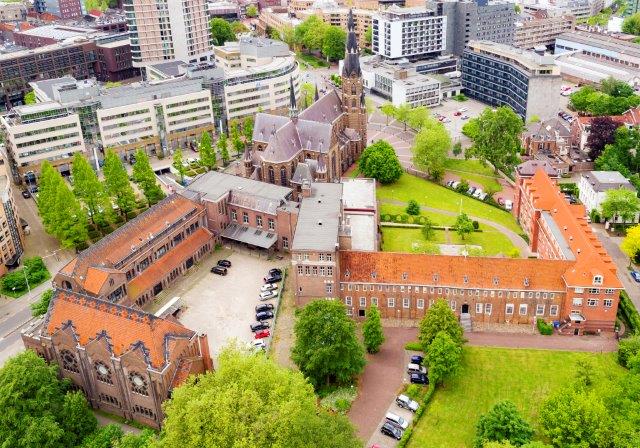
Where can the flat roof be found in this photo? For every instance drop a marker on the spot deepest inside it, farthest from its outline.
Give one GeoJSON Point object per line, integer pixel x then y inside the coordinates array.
{"type": "Point", "coordinates": [363, 231]}
{"type": "Point", "coordinates": [529, 59]}
{"type": "Point", "coordinates": [214, 184]}
{"type": "Point", "coordinates": [555, 230]}
{"type": "Point", "coordinates": [601, 41]}
{"type": "Point", "coordinates": [359, 193]}
{"type": "Point", "coordinates": [319, 219]}
{"type": "Point", "coordinates": [607, 180]}
{"type": "Point", "coordinates": [594, 69]}
{"type": "Point", "coordinates": [78, 41]}
{"type": "Point", "coordinates": [142, 91]}
{"type": "Point", "coordinates": [59, 32]}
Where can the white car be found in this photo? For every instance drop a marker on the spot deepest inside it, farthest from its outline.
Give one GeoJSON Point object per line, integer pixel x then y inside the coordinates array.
{"type": "Point", "coordinates": [477, 193]}
{"type": "Point", "coordinates": [268, 295]}
{"type": "Point", "coordinates": [508, 204]}
{"type": "Point", "coordinates": [258, 344]}
{"type": "Point", "coordinates": [455, 185]}
{"type": "Point", "coordinates": [269, 287]}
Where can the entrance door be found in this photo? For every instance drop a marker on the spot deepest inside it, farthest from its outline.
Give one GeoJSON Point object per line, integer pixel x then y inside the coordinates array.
{"type": "Point", "coordinates": [189, 262]}
{"type": "Point", "coordinates": [465, 308]}
{"type": "Point", "coordinates": [157, 289]}
{"type": "Point", "coordinates": [576, 331]}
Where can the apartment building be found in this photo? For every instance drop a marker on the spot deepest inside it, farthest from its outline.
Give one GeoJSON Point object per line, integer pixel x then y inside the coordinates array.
{"type": "Point", "coordinates": [594, 185]}
{"type": "Point", "coordinates": [549, 137]}
{"type": "Point", "coordinates": [65, 9]}
{"type": "Point", "coordinates": [275, 18]}
{"type": "Point", "coordinates": [498, 74]}
{"type": "Point", "coordinates": [412, 33]}
{"type": "Point", "coordinates": [11, 232]}
{"type": "Point", "coordinates": [12, 11]}
{"type": "Point", "coordinates": [542, 28]}
{"type": "Point", "coordinates": [332, 14]}
{"type": "Point", "coordinates": [39, 132]}
{"type": "Point", "coordinates": [51, 34]}
{"type": "Point", "coordinates": [167, 30]}
{"type": "Point", "coordinates": [600, 46]}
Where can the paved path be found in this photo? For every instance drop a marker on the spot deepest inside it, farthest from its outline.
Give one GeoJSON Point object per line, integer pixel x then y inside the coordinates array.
{"type": "Point", "coordinates": [104, 421]}
{"type": "Point", "coordinates": [516, 239]}
{"type": "Point", "coordinates": [381, 379]}
{"type": "Point", "coordinates": [553, 342]}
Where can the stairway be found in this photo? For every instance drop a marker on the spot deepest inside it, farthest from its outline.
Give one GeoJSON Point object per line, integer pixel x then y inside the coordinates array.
{"type": "Point", "coordinates": [465, 322]}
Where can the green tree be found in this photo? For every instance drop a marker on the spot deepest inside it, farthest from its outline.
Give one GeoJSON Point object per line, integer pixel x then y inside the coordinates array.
{"type": "Point", "coordinates": [117, 182]}
{"type": "Point", "coordinates": [310, 33]}
{"type": "Point", "coordinates": [368, 36]}
{"type": "Point", "coordinates": [380, 162]}
{"type": "Point", "coordinates": [144, 176]}
{"type": "Point", "coordinates": [178, 164]}
{"type": "Point", "coordinates": [41, 306]}
{"type": "Point", "coordinates": [497, 140]}
{"type": "Point", "coordinates": [247, 130]}
{"type": "Point", "coordinates": [420, 117]}
{"type": "Point", "coordinates": [430, 150]}
{"type": "Point", "coordinates": [222, 147]}
{"type": "Point", "coordinates": [238, 27]}
{"type": "Point", "coordinates": [234, 133]}
{"type": "Point", "coordinates": [221, 31]}
{"type": "Point", "coordinates": [612, 86]}
{"type": "Point", "coordinates": [88, 188]}
{"type": "Point", "coordinates": [388, 110]}
{"type": "Point", "coordinates": [439, 317]}
{"type": "Point", "coordinates": [471, 128]}
{"type": "Point", "coordinates": [627, 349]}
{"type": "Point", "coordinates": [37, 409]}
{"type": "Point", "coordinates": [104, 437]}
{"type": "Point", "coordinates": [631, 24]}
{"type": "Point", "coordinates": [631, 243]}
{"type": "Point", "coordinates": [503, 422]}
{"type": "Point", "coordinates": [443, 357]}
{"type": "Point", "coordinates": [252, 11]}
{"type": "Point", "coordinates": [207, 154]}
{"type": "Point", "coordinates": [427, 229]}
{"type": "Point", "coordinates": [333, 43]}
{"type": "Point", "coordinates": [457, 149]}
{"type": "Point", "coordinates": [463, 225]}
{"type": "Point", "coordinates": [142, 440]}
{"type": "Point", "coordinates": [30, 97]}
{"type": "Point", "coordinates": [307, 90]}
{"type": "Point", "coordinates": [326, 348]}
{"type": "Point", "coordinates": [413, 208]}
{"type": "Point", "coordinates": [402, 114]}
{"type": "Point", "coordinates": [251, 401]}
{"type": "Point", "coordinates": [622, 204]}
{"type": "Point", "coordinates": [372, 332]}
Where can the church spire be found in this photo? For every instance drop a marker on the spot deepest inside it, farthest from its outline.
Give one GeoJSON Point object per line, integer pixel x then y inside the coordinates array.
{"type": "Point", "coordinates": [351, 64]}
{"type": "Point", "coordinates": [316, 97]}
{"type": "Point", "coordinates": [293, 105]}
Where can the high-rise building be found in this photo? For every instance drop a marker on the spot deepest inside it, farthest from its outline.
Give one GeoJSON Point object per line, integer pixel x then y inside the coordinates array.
{"type": "Point", "coordinates": [163, 30]}
{"type": "Point", "coordinates": [412, 33]}
{"type": "Point", "coordinates": [12, 236]}
{"type": "Point", "coordinates": [65, 9]}
{"type": "Point", "coordinates": [542, 27]}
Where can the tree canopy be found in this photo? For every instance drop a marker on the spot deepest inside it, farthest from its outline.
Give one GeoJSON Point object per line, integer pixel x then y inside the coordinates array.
{"type": "Point", "coordinates": [326, 348]}
{"type": "Point", "coordinates": [88, 188]}
{"type": "Point", "coordinates": [593, 102]}
{"type": "Point", "coordinates": [439, 317]}
{"type": "Point", "coordinates": [443, 357]}
{"type": "Point", "coordinates": [116, 181]}
{"type": "Point", "coordinates": [207, 154]}
{"type": "Point", "coordinates": [372, 332]}
{"type": "Point", "coordinates": [333, 43]}
{"type": "Point", "coordinates": [221, 31]}
{"type": "Point", "coordinates": [502, 422]}
{"type": "Point", "coordinates": [631, 243]}
{"type": "Point", "coordinates": [602, 132]}
{"type": "Point", "coordinates": [631, 24]}
{"type": "Point", "coordinates": [380, 161]}
{"type": "Point", "coordinates": [431, 148]}
{"type": "Point", "coordinates": [30, 97]}
{"type": "Point", "coordinates": [252, 11]}
{"type": "Point", "coordinates": [250, 401]}
{"type": "Point", "coordinates": [144, 176]}
{"type": "Point", "coordinates": [463, 225]}
{"type": "Point", "coordinates": [623, 204]}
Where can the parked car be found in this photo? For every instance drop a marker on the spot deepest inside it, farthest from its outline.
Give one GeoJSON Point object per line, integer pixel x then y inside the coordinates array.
{"type": "Point", "coordinates": [257, 326]}
{"type": "Point", "coordinates": [264, 307]}
{"type": "Point", "coordinates": [449, 183]}
{"type": "Point", "coordinates": [397, 420]}
{"type": "Point", "coordinates": [457, 113]}
{"type": "Point", "coordinates": [33, 189]}
{"type": "Point", "coordinates": [273, 278]}
{"type": "Point", "coordinates": [26, 194]}
{"type": "Point", "coordinates": [455, 185]}
{"type": "Point", "coordinates": [219, 270]}
{"type": "Point", "coordinates": [267, 295]}
{"type": "Point", "coordinates": [465, 117]}
{"type": "Point", "coordinates": [501, 201]}
{"type": "Point", "coordinates": [389, 429]}
{"type": "Point", "coordinates": [224, 263]}
{"type": "Point", "coordinates": [508, 204]}
{"type": "Point", "coordinates": [483, 196]}
{"type": "Point", "coordinates": [471, 190]}
{"type": "Point", "coordinates": [264, 315]}
{"type": "Point", "coordinates": [275, 271]}
{"type": "Point", "coordinates": [269, 287]}
{"type": "Point", "coordinates": [477, 193]}
{"type": "Point", "coordinates": [407, 403]}
{"type": "Point", "coordinates": [258, 344]}
{"type": "Point", "coordinates": [418, 378]}
{"type": "Point", "coordinates": [415, 368]}
{"type": "Point", "coordinates": [635, 275]}
{"type": "Point", "coordinates": [417, 359]}
{"type": "Point", "coordinates": [262, 334]}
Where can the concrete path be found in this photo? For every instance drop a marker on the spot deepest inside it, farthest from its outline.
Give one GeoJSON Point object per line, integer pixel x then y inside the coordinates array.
{"type": "Point", "coordinates": [596, 344]}
{"type": "Point", "coordinates": [104, 421]}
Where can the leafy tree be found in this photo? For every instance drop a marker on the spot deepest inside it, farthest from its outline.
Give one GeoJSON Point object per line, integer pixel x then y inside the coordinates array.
{"type": "Point", "coordinates": [142, 440]}
{"type": "Point", "coordinates": [117, 182]}
{"type": "Point", "coordinates": [471, 128]}
{"type": "Point", "coordinates": [413, 208]}
{"type": "Point", "coordinates": [497, 140]}
{"type": "Point", "coordinates": [503, 422]}
{"type": "Point", "coordinates": [247, 130]}
{"type": "Point", "coordinates": [430, 150]}
{"type": "Point", "coordinates": [602, 133]}
{"type": "Point", "coordinates": [457, 149]}
{"type": "Point", "coordinates": [238, 27]}
{"type": "Point", "coordinates": [439, 317]}
{"type": "Point", "coordinates": [388, 110]}
{"type": "Point", "coordinates": [427, 229]}
{"type": "Point", "coordinates": [326, 348]}
{"type": "Point", "coordinates": [463, 186]}
{"type": "Point", "coordinates": [631, 243]}
{"type": "Point", "coordinates": [37, 409]}
{"type": "Point", "coordinates": [612, 86]}
{"type": "Point", "coordinates": [207, 154]}
{"type": "Point", "coordinates": [307, 90]}
{"type": "Point", "coordinates": [104, 437]}
{"type": "Point", "coordinates": [507, 444]}
{"type": "Point", "coordinates": [402, 114]}
{"type": "Point", "coordinates": [145, 177]}
{"type": "Point", "coordinates": [221, 31]}
{"type": "Point", "coordinates": [41, 306]}
{"type": "Point", "coordinates": [463, 225]}
{"type": "Point", "coordinates": [593, 102]}
{"type": "Point", "coordinates": [621, 204]}
{"type": "Point", "coordinates": [380, 161]}
{"type": "Point", "coordinates": [420, 117]}
{"type": "Point", "coordinates": [333, 43]}
{"type": "Point", "coordinates": [30, 97]}
{"type": "Point", "coordinates": [443, 356]}
{"type": "Point", "coordinates": [368, 35]}
{"type": "Point", "coordinates": [311, 33]}
{"type": "Point", "coordinates": [372, 331]}
{"type": "Point", "coordinates": [252, 11]}
{"type": "Point", "coordinates": [627, 349]}
{"type": "Point", "coordinates": [222, 147]}
{"type": "Point", "coordinates": [88, 188]}
{"type": "Point", "coordinates": [251, 401]}
{"type": "Point", "coordinates": [178, 164]}
{"type": "Point", "coordinates": [631, 24]}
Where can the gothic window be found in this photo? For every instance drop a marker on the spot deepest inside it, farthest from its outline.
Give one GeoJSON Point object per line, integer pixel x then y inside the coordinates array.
{"type": "Point", "coordinates": [272, 176]}
{"type": "Point", "coordinates": [103, 373]}
{"type": "Point", "coordinates": [144, 411]}
{"type": "Point", "coordinates": [138, 384]}
{"type": "Point", "coordinates": [109, 399]}
{"type": "Point", "coordinates": [283, 176]}
{"type": "Point", "coordinates": [69, 361]}
{"type": "Point", "coordinates": [353, 89]}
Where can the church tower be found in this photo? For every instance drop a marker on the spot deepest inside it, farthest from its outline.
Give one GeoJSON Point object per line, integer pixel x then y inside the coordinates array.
{"type": "Point", "coordinates": [352, 89]}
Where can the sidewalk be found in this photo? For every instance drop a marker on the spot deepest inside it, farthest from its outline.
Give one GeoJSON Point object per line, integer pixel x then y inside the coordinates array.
{"type": "Point", "coordinates": [603, 343]}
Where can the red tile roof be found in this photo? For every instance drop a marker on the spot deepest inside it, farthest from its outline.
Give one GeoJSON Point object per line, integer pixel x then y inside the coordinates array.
{"type": "Point", "coordinates": [127, 328]}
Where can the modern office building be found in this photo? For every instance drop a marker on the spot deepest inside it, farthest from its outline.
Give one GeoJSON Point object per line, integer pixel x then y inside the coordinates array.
{"type": "Point", "coordinates": [411, 33]}
{"type": "Point", "coordinates": [541, 28]}
{"type": "Point", "coordinates": [12, 236]}
{"type": "Point", "coordinates": [39, 132]}
{"type": "Point", "coordinates": [167, 30]}
{"type": "Point", "coordinates": [600, 46]}
{"type": "Point", "coordinates": [468, 20]}
{"type": "Point", "coordinates": [114, 58]}
{"type": "Point", "coordinates": [498, 74]}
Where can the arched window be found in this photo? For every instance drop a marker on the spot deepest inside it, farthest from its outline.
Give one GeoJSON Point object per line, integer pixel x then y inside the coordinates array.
{"type": "Point", "coordinates": [138, 384]}
{"type": "Point", "coordinates": [272, 176]}
{"type": "Point", "coordinates": [283, 176]}
{"type": "Point", "coordinates": [69, 361]}
{"type": "Point", "coordinates": [103, 372]}
{"type": "Point", "coordinates": [353, 89]}
{"type": "Point", "coordinates": [66, 285]}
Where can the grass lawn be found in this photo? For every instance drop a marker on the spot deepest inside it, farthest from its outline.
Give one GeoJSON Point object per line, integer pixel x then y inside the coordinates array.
{"type": "Point", "coordinates": [433, 195]}
{"type": "Point", "coordinates": [489, 375]}
{"type": "Point", "coordinates": [475, 172]}
{"type": "Point", "coordinates": [312, 60]}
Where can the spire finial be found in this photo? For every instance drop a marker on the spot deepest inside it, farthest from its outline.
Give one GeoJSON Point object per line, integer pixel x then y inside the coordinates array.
{"type": "Point", "coordinates": [316, 97]}
{"type": "Point", "coordinates": [293, 105]}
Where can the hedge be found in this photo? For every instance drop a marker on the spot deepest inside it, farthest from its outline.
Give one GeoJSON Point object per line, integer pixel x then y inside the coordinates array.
{"type": "Point", "coordinates": [414, 346]}
{"type": "Point", "coordinates": [416, 418]}
{"type": "Point", "coordinates": [403, 218]}
{"type": "Point", "coordinates": [629, 312]}
{"type": "Point", "coordinates": [544, 328]}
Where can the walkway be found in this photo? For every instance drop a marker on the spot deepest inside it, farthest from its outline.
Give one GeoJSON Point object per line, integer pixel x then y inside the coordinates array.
{"type": "Point", "coordinates": [516, 239]}
{"type": "Point", "coordinates": [103, 420]}
{"type": "Point", "coordinates": [603, 343]}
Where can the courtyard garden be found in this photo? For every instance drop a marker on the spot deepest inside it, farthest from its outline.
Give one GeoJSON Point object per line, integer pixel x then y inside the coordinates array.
{"type": "Point", "coordinates": [489, 375]}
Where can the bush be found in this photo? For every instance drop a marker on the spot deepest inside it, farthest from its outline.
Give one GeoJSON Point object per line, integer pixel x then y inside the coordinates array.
{"type": "Point", "coordinates": [41, 306]}
{"type": "Point", "coordinates": [414, 346]}
{"type": "Point", "coordinates": [339, 400]}
{"type": "Point", "coordinates": [544, 328]}
{"type": "Point", "coordinates": [595, 216]}
{"type": "Point", "coordinates": [629, 312]}
{"type": "Point", "coordinates": [457, 149]}
{"type": "Point", "coordinates": [413, 391]}
{"type": "Point", "coordinates": [413, 208]}
{"type": "Point", "coordinates": [476, 225]}
{"type": "Point", "coordinates": [627, 349]}
{"type": "Point", "coordinates": [460, 97]}
{"type": "Point", "coordinates": [463, 186]}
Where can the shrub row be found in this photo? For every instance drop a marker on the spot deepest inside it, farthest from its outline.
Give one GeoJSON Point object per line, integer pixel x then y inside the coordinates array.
{"type": "Point", "coordinates": [629, 312]}
{"type": "Point", "coordinates": [403, 218]}
{"type": "Point", "coordinates": [416, 418]}
{"type": "Point", "coordinates": [544, 328]}
{"type": "Point", "coordinates": [414, 346]}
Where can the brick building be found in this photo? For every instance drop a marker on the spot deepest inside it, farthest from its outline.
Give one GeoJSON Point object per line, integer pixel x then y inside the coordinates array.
{"type": "Point", "coordinates": [124, 360]}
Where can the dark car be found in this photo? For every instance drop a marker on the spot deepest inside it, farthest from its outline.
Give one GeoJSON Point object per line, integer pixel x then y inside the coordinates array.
{"type": "Point", "coordinates": [418, 378]}
{"type": "Point", "coordinates": [636, 276]}
{"type": "Point", "coordinates": [264, 307]}
{"type": "Point", "coordinates": [275, 271]}
{"type": "Point", "coordinates": [273, 278]}
{"type": "Point", "coordinates": [417, 359]}
{"type": "Point", "coordinates": [224, 263]}
{"type": "Point", "coordinates": [26, 194]}
{"type": "Point", "coordinates": [257, 326]}
{"type": "Point", "coordinates": [219, 270]}
{"type": "Point", "coordinates": [264, 315]}
{"type": "Point", "coordinates": [391, 430]}
{"type": "Point", "coordinates": [33, 189]}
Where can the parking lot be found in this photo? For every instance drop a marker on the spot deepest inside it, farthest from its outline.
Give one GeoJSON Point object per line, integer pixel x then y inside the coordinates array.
{"type": "Point", "coordinates": [223, 306]}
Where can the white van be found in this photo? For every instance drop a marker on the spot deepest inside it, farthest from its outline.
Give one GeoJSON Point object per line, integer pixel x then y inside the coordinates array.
{"type": "Point", "coordinates": [463, 110]}
{"type": "Point", "coordinates": [397, 420]}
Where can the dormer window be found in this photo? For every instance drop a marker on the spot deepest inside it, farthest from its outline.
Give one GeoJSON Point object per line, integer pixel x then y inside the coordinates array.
{"type": "Point", "coordinates": [465, 279]}
{"type": "Point", "coordinates": [597, 279]}
{"type": "Point", "coordinates": [405, 275]}
{"type": "Point", "coordinates": [495, 281]}
{"type": "Point", "coordinates": [435, 278]}
{"type": "Point", "coordinates": [526, 281]}
{"type": "Point", "coordinates": [347, 273]}
{"type": "Point", "coordinates": [374, 274]}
